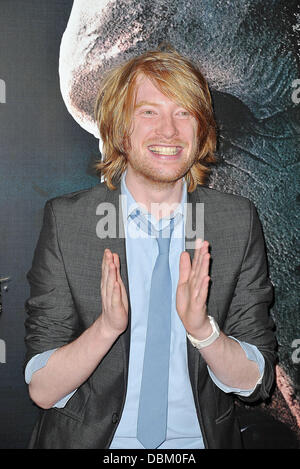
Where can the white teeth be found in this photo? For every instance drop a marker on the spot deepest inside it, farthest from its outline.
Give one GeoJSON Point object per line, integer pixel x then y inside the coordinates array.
{"type": "Point", "coordinates": [164, 150]}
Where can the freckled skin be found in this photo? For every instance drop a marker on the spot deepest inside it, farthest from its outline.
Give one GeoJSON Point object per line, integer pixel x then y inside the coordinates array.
{"type": "Point", "coordinates": [159, 121]}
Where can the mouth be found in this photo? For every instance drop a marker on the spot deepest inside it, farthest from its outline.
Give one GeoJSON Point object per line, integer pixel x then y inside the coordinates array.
{"type": "Point", "coordinates": [165, 151]}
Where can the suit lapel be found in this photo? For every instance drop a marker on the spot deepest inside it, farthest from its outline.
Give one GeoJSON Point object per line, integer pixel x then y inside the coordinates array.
{"type": "Point", "coordinates": [119, 246]}
{"type": "Point", "coordinates": [193, 354]}
{"type": "Point", "coordinates": [196, 364]}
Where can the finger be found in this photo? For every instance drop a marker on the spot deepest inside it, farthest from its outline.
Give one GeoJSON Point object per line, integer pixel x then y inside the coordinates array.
{"type": "Point", "coordinates": [201, 273]}
{"type": "Point", "coordinates": [116, 296]}
{"type": "Point", "coordinates": [203, 263]}
{"type": "Point", "coordinates": [111, 280]}
{"type": "Point", "coordinates": [184, 267]}
{"type": "Point", "coordinates": [104, 271]}
{"type": "Point", "coordinates": [107, 258]}
{"type": "Point", "coordinates": [198, 245]}
{"type": "Point", "coordinates": [201, 267]}
{"type": "Point", "coordinates": [116, 261]}
{"type": "Point", "coordinates": [203, 292]}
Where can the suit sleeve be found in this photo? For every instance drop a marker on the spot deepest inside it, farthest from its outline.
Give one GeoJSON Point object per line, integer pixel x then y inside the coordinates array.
{"type": "Point", "coordinates": [248, 317]}
{"type": "Point", "coordinates": [52, 317]}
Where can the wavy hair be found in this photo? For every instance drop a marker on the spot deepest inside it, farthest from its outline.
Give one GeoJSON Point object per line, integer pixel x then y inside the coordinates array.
{"type": "Point", "coordinates": [177, 78]}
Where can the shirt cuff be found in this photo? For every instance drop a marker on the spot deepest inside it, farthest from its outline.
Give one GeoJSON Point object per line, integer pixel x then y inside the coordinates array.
{"type": "Point", "coordinates": [253, 354]}
{"type": "Point", "coordinates": [36, 363]}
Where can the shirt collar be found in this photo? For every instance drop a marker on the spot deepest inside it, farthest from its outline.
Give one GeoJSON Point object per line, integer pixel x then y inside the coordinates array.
{"type": "Point", "coordinates": [132, 206]}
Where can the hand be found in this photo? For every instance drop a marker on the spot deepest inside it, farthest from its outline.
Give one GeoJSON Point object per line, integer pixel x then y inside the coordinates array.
{"type": "Point", "coordinates": [192, 291]}
{"type": "Point", "coordinates": [114, 315]}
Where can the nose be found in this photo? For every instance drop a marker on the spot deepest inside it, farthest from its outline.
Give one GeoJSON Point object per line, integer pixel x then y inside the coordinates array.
{"type": "Point", "coordinates": [167, 127]}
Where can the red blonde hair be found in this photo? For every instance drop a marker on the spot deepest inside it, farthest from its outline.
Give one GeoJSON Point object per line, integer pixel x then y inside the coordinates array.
{"type": "Point", "coordinates": [178, 79]}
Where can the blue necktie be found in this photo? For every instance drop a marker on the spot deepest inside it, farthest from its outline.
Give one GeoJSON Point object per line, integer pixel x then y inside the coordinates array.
{"type": "Point", "coordinates": [153, 404]}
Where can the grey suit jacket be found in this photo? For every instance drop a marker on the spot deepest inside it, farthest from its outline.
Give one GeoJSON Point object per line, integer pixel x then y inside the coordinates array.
{"type": "Point", "coordinates": [65, 299]}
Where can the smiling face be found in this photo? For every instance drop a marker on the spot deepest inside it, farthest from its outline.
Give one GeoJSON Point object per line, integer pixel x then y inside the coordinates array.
{"type": "Point", "coordinates": [163, 141]}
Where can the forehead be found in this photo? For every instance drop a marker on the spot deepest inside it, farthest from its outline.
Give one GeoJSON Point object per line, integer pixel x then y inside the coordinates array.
{"type": "Point", "coordinates": [147, 91]}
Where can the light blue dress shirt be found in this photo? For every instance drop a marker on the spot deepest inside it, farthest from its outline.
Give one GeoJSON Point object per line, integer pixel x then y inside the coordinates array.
{"type": "Point", "coordinates": [183, 430]}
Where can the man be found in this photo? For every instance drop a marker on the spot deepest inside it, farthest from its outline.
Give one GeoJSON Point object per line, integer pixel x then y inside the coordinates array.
{"type": "Point", "coordinates": [196, 319]}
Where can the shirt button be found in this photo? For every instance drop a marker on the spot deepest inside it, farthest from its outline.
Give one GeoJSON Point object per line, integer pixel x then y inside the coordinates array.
{"type": "Point", "coordinates": [115, 418]}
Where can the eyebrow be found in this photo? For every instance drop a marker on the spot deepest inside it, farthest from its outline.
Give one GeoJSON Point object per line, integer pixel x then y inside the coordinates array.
{"type": "Point", "coordinates": [145, 103]}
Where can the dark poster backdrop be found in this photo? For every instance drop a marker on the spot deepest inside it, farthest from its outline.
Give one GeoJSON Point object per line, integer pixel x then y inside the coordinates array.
{"type": "Point", "coordinates": [249, 51]}
{"type": "Point", "coordinates": [43, 153]}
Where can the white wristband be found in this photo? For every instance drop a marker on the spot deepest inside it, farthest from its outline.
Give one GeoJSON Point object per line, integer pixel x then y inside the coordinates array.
{"type": "Point", "coordinates": [199, 344]}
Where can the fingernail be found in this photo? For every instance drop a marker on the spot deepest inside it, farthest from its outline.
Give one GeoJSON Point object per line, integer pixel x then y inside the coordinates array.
{"type": "Point", "coordinates": [198, 243]}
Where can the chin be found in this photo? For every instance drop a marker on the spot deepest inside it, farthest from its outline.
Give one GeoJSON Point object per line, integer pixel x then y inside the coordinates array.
{"type": "Point", "coordinates": [165, 177]}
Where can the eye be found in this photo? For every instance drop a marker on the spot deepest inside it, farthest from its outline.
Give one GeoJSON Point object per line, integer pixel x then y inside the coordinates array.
{"type": "Point", "coordinates": [184, 113]}
{"type": "Point", "coordinates": [148, 112]}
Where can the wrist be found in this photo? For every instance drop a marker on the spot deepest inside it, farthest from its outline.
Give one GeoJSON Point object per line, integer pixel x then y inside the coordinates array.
{"type": "Point", "coordinates": [202, 332]}
{"type": "Point", "coordinates": [209, 339]}
{"type": "Point", "coordinates": [105, 331]}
